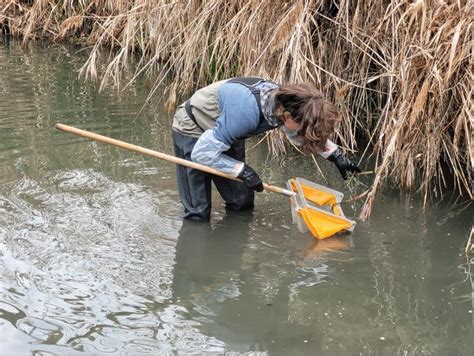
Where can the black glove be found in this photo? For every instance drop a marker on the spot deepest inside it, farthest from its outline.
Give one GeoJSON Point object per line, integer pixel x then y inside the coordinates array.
{"type": "Point", "coordinates": [251, 178]}
{"type": "Point", "coordinates": [342, 163]}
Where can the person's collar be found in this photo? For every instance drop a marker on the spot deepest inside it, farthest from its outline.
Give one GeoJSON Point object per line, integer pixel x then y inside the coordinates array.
{"type": "Point", "coordinates": [267, 102]}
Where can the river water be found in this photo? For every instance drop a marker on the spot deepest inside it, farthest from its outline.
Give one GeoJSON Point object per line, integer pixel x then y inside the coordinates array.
{"type": "Point", "coordinates": [95, 259]}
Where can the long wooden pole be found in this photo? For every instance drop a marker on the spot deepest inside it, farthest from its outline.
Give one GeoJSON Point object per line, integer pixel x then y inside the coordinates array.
{"type": "Point", "coordinates": [164, 156]}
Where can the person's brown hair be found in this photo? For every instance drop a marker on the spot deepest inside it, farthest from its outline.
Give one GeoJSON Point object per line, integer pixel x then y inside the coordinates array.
{"type": "Point", "coordinates": [307, 105]}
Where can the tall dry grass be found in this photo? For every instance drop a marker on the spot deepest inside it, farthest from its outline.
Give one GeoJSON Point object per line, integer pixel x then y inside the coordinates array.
{"type": "Point", "coordinates": [401, 72]}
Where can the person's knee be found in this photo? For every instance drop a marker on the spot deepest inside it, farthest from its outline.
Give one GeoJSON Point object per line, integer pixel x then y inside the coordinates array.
{"type": "Point", "coordinates": [242, 203]}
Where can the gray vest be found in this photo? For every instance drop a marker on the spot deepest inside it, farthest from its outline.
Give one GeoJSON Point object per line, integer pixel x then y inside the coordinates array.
{"type": "Point", "coordinates": [202, 110]}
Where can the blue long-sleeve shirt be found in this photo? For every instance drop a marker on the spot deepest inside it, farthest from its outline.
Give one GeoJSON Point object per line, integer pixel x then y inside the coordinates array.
{"type": "Point", "coordinates": [239, 118]}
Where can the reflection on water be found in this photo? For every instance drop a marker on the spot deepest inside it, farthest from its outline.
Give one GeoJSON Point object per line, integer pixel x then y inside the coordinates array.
{"type": "Point", "coordinates": [95, 258]}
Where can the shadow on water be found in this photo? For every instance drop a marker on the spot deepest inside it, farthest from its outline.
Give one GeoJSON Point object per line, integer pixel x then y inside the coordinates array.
{"type": "Point", "coordinates": [251, 303]}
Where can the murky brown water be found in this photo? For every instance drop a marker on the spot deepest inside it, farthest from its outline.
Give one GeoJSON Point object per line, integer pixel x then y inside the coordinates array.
{"type": "Point", "coordinates": [94, 257]}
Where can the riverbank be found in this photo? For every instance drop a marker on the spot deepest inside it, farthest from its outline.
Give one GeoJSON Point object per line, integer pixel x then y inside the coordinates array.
{"type": "Point", "coordinates": [400, 73]}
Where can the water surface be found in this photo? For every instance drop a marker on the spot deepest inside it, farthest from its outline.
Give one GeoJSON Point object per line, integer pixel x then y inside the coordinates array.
{"type": "Point", "coordinates": [95, 259]}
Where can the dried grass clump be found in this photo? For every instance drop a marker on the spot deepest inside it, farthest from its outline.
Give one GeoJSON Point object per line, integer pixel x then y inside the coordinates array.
{"type": "Point", "coordinates": [401, 72]}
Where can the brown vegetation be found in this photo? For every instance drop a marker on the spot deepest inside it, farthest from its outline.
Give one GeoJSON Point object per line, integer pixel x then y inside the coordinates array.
{"type": "Point", "coordinates": [401, 72]}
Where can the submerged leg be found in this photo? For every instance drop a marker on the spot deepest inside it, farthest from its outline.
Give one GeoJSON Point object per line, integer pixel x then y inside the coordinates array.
{"type": "Point", "coordinates": [194, 186]}
{"type": "Point", "coordinates": [236, 195]}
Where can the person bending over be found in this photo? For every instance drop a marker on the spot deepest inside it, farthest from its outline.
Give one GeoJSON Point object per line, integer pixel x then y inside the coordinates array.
{"type": "Point", "coordinates": [211, 127]}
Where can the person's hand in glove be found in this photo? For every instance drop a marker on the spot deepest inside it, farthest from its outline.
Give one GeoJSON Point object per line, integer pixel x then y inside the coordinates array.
{"type": "Point", "coordinates": [251, 178]}
{"type": "Point", "coordinates": [342, 163]}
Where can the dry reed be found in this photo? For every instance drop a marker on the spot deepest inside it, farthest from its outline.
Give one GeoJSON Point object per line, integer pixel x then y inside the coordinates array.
{"type": "Point", "coordinates": [401, 72]}
{"type": "Point", "coordinates": [470, 243]}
